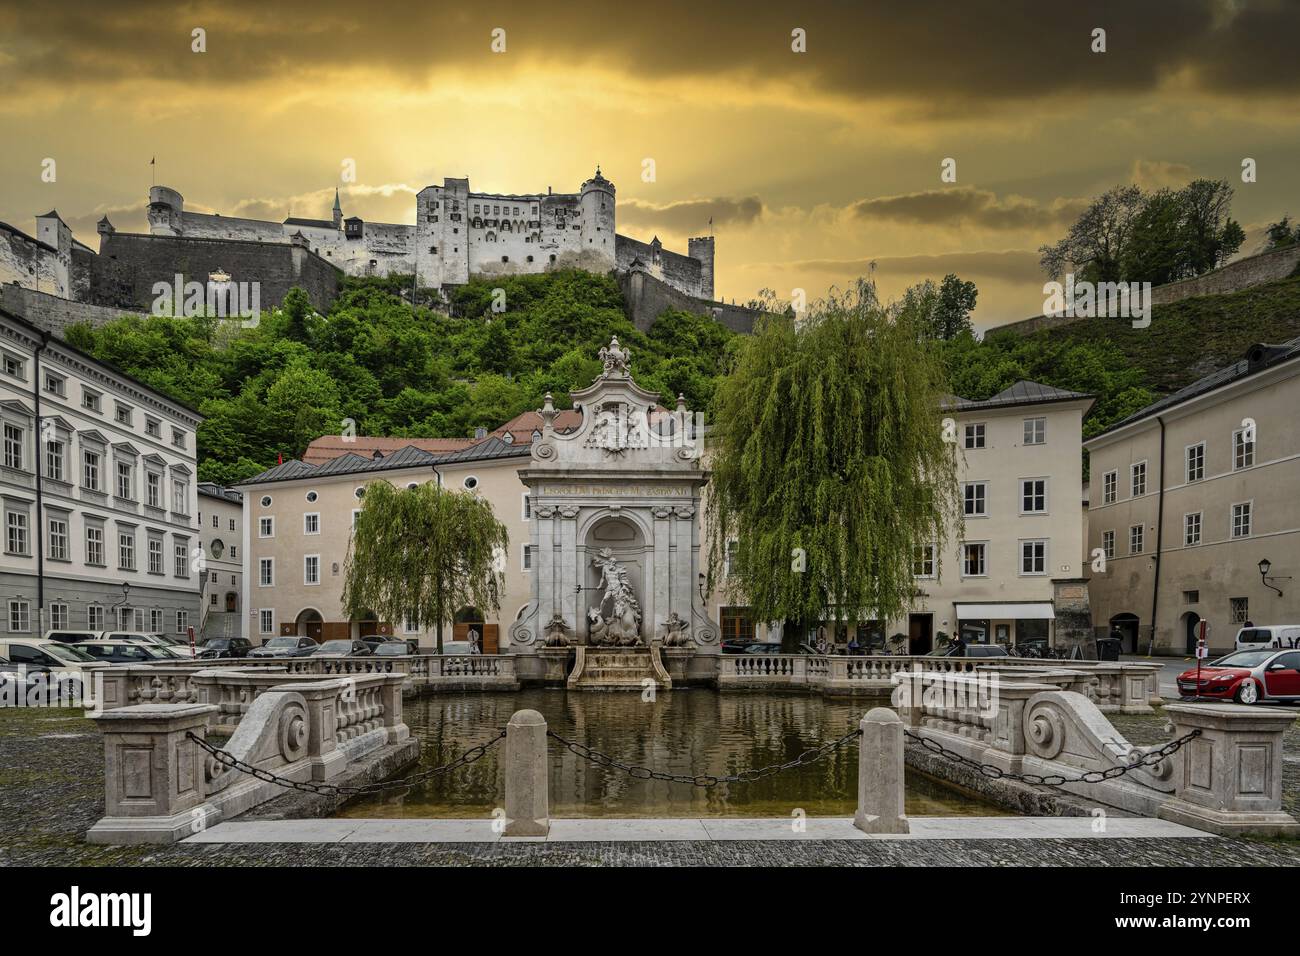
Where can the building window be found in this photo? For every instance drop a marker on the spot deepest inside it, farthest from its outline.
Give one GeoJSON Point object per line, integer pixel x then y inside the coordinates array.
{"type": "Point", "coordinates": [266, 527]}
{"type": "Point", "coordinates": [1135, 534]}
{"type": "Point", "coordinates": [155, 621]}
{"type": "Point", "coordinates": [13, 447]}
{"type": "Point", "coordinates": [153, 428]}
{"type": "Point", "coordinates": [470, 483]}
{"type": "Point", "coordinates": [15, 366]}
{"type": "Point", "coordinates": [526, 560]}
{"type": "Point", "coordinates": [232, 524]}
{"type": "Point", "coordinates": [90, 470]}
{"type": "Point", "coordinates": [1238, 610]}
{"type": "Point", "coordinates": [266, 572]}
{"type": "Point", "coordinates": [180, 562]}
{"type": "Point", "coordinates": [1191, 597]}
{"type": "Point", "coordinates": [1243, 450]}
{"type": "Point", "coordinates": [311, 523]}
{"type": "Point", "coordinates": [736, 623]}
{"type": "Point", "coordinates": [1196, 462]}
{"type": "Point", "coordinates": [1108, 543]}
{"type": "Point", "coordinates": [55, 384]}
{"type": "Point", "coordinates": [180, 496]}
{"type": "Point", "coordinates": [1138, 479]}
{"type": "Point", "coordinates": [153, 489]}
{"type": "Point", "coordinates": [58, 616]}
{"type": "Point", "coordinates": [155, 556]}
{"type": "Point", "coordinates": [182, 621]}
{"type": "Point", "coordinates": [975, 435]}
{"type": "Point", "coordinates": [125, 480]}
{"type": "Point", "coordinates": [16, 532]}
{"type": "Point", "coordinates": [976, 499]}
{"type": "Point", "coordinates": [95, 546]}
{"type": "Point", "coordinates": [234, 553]}
{"type": "Point", "coordinates": [1241, 520]}
{"type": "Point", "coordinates": [54, 460]}
{"type": "Point", "coordinates": [20, 616]}
{"type": "Point", "coordinates": [266, 621]}
{"type": "Point", "coordinates": [528, 507]}
{"type": "Point", "coordinates": [923, 561]}
{"type": "Point", "coordinates": [126, 550]}
{"type": "Point", "coordinates": [1033, 557]}
{"type": "Point", "coordinates": [974, 555]}
{"type": "Point", "coordinates": [1109, 484]}
{"type": "Point", "coordinates": [1192, 529]}
{"type": "Point", "coordinates": [89, 400]}
{"type": "Point", "coordinates": [122, 413]}
{"type": "Point", "coordinates": [216, 522]}
{"type": "Point", "coordinates": [729, 559]}
{"type": "Point", "coordinates": [178, 438]}
{"type": "Point", "coordinates": [59, 539]}
{"type": "Point", "coordinates": [311, 569]}
{"type": "Point", "coordinates": [95, 617]}
{"type": "Point", "coordinates": [1033, 495]}
{"type": "Point", "coordinates": [1035, 431]}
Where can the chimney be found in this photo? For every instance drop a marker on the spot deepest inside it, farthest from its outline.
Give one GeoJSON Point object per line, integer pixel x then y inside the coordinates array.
{"type": "Point", "coordinates": [480, 432]}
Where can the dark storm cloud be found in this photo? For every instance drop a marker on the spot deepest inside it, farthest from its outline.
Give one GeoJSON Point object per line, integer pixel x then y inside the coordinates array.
{"type": "Point", "coordinates": [690, 215]}
{"type": "Point", "coordinates": [938, 54]}
{"type": "Point", "coordinates": [964, 206]}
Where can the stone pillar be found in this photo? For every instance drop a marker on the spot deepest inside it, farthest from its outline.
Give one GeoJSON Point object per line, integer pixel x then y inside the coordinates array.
{"type": "Point", "coordinates": [153, 774]}
{"type": "Point", "coordinates": [1229, 779]}
{"type": "Point", "coordinates": [572, 571]}
{"type": "Point", "coordinates": [392, 698]}
{"type": "Point", "coordinates": [880, 774]}
{"type": "Point", "coordinates": [321, 699]}
{"type": "Point", "coordinates": [527, 798]}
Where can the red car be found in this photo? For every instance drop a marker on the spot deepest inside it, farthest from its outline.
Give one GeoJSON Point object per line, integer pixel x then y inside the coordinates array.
{"type": "Point", "coordinates": [1246, 677]}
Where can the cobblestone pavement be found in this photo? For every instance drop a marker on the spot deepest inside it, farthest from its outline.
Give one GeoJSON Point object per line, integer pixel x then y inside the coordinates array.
{"type": "Point", "coordinates": [51, 792]}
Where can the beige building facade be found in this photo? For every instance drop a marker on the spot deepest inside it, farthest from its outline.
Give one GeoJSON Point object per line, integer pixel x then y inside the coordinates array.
{"type": "Point", "coordinates": [221, 538]}
{"type": "Point", "coordinates": [1189, 496]}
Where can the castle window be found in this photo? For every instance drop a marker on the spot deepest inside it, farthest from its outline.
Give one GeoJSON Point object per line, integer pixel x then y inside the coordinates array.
{"type": "Point", "coordinates": [530, 258]}
{"type": "Point", "coordinates": [434, 250]}
{"type": "Point", "coordinates": [505, 258]}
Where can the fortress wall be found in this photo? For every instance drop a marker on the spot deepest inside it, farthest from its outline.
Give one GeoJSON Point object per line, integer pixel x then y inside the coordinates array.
{"type": "Point", "coordinates": [55, 314]}
{"type": "Point", "coordinates": [646, 297]}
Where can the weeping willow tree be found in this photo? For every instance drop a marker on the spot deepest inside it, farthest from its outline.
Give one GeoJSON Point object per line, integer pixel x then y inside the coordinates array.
{"type": "Point", "coordinates": [421, 553]}
{"type": "Point", "coordinates": [830, 467]}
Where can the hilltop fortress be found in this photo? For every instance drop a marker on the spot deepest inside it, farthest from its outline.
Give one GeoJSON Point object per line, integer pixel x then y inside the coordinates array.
{"type": "Point", "coordinates": [458, 235]}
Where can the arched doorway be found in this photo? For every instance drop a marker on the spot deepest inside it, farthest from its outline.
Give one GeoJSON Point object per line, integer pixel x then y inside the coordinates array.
{"type": "Point", "coordinates": [469, 619]}
{"type": "Point", "coordinates": [308, 623]}
{"type": "Point", "coordinates": [1125, 627]}
{"type": "Point", "coordinates": [622, 540]}
{"type": "Point", "coordinates": [1189, 623]}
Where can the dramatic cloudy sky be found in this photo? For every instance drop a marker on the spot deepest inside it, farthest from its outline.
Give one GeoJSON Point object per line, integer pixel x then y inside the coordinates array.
{"type": "Point", "coordinates": [816, 167]}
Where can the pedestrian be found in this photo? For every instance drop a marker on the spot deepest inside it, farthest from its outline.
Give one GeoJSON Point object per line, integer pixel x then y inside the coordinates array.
{"type": "Point", "coordinates": [473, 642]}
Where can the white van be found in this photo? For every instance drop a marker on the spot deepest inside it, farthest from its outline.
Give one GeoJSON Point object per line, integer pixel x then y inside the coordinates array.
{"type": "Point", "coordinates": [1268, 636]}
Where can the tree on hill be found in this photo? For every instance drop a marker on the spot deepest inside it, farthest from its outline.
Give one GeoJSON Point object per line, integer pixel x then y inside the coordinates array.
{"type": "Point", "coordinates": [829, 465]}
{"type": "Point", "coordinates": [422, 553]}
{"type": "Point", "coordinates": [1281, 233]}
{"type": "Point", "coordinates": [941, 311]}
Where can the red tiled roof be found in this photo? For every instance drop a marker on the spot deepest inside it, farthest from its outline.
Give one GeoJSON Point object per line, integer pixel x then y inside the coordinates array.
{"type": "Point", "coordinates": [328, 447]}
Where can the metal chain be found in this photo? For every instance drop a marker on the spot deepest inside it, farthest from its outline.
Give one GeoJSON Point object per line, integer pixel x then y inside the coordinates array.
{"type": "Point", "coordinates": [1149, 759]}
{"type": "Point", "coordinates": [703, 781]}
{"type": "Point", "coordinates": [230, 760]}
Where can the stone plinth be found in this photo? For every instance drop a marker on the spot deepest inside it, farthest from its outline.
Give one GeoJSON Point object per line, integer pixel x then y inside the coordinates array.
{"type": "Point", "coordinates": [880, 774]}
{"type": "Point", "coordinates": [527, 797]}
{"type": "Point", "coordinates": [1229, 779]}
{"type": "Point", "coordinates": [618, 668]}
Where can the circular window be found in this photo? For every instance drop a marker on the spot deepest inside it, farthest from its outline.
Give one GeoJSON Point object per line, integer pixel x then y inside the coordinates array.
{"type": "Point", "coordinates": [266, 501]}
{"type": "Point", "coordinates": [311, 496]}
{"type": "Point", "coordinates": [413, 484]}
{"type": "Point", "coordinates": [360, 491]}
{"type": "Point", "coordinates": [470, 482]}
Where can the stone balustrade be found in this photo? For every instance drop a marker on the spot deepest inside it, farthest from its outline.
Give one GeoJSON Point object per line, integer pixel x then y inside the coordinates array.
{"type": "Point", "coordinates": [161, 786]}
{"type": "Point", "coordinates": [1039, 720]}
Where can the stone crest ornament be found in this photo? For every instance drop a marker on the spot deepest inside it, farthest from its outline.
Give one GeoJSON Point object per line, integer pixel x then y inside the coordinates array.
{"type": "Point", "coordinates": [674, 632]}
{"type": "Point", "coordinates": [557, 633]}
{"type": "Point", "coordinates": [615, 358]}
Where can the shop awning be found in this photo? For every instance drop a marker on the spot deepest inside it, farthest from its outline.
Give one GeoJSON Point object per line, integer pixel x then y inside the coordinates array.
{"type": "Point", "coordinates": [1034, 611]}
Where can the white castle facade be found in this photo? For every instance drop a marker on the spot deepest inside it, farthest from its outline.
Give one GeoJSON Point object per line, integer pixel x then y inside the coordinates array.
{"type": "Point", "coordinates": [459, 234]}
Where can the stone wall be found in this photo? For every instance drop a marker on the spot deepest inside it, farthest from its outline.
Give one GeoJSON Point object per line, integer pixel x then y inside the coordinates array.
{"type": "Point", "coordinates": [55, 314]}
{"type": "Point", "coordinates": [130, 264]}
{"type": "Point", "coordinates": [1235, 276]}
{"type": "Point", "coordinates": [30, 263]}
{"type": "Point", "coordinates": [645, 299]}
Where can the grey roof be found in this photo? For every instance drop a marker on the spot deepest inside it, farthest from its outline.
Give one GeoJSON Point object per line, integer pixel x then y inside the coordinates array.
{"type": "Point", "coordinates": [489, 448]}
{"type": "Point", "coordinates": [1021, 393]}
{"type": "Point", "coordinates": [213, 490]}
{"type": "Point", "coordinates": [408, 457]}
{"type": "Point", "coordinates": [1257, 358]}
{"type": "Point", "coordinates": [318, 223]}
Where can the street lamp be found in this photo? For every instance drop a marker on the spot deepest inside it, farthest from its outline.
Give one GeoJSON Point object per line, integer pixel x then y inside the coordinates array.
{"type": "Point", "coordinates": [1265, 566]}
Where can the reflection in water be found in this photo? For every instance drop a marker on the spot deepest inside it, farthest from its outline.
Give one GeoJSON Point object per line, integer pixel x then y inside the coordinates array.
{"type": "Point", "coordinates": [683, 732]}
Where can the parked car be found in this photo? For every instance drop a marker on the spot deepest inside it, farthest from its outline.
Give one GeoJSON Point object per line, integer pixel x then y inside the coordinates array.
{"type": "Point", "coordinates": [737, 645]}
{"type": "Point", "coordinates": [21, 657]}
{"type": "Point", "coordinates": [124, 652]}
{"type": "Point", "coordinates": [1275, 636]}
{"type": "Point", "coordinates": [342, 647]}
{"type": "Point", "coordinates": [774, 647]}
{"type": "Point", "coordinates": [177, 647]}
{"type": "Point", "coordinates": [218, 647]}
{"type": "Point", "coordinates": [285, 647]}
{"type": "Point", "coordinates": [1246, 677]}
{"type": "Point", "coordinates": [393, 649]}
{"type": "Point", "coordinates": [374, 641]}
{"type": "Point", "coordinates": [71, 637]}
{"type": "Point", "coordinates": [454, 647]}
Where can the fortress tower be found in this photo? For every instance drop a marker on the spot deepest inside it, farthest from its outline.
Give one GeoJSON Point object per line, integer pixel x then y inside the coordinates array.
{"type": "Point", "coordinates": [702, 249]}
{"type": "Point", "coordinates": [165, 208]}
{"type": "Point", "coordinates": [597, 201]}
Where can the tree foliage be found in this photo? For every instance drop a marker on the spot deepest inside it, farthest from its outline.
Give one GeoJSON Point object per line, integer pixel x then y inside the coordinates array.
{"type": "Point", "coordinates": [829, 464]}
{"type": "Point", "coordinates": [422, 553]}
{"type": "Point", "coordinates": [942, 311]}
{"type": "Point", "coordinates": [1126, 235]}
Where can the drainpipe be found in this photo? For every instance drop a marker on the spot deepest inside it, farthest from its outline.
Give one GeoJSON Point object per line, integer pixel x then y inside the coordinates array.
{"type": "Point", "coordinates": [40, 518]}
{"type": "Point", "coordinates": [1160, 527]}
